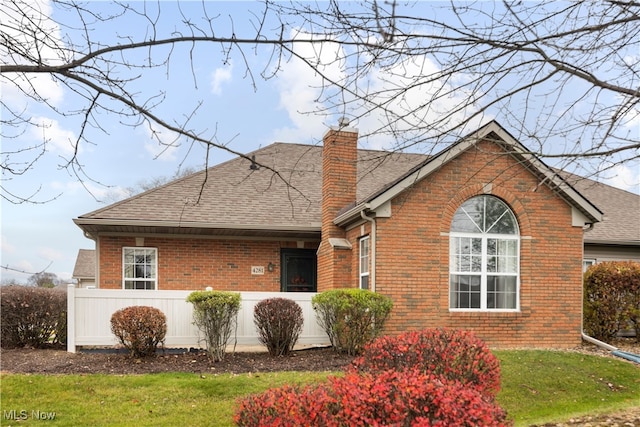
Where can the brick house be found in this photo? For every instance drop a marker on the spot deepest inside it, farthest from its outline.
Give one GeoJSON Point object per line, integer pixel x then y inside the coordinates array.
{"type": "Point", "coordinates": [482, 236]}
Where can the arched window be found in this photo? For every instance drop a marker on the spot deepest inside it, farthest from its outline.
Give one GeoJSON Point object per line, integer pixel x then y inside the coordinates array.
{"type": "Point", "coordinates": [484, 256]}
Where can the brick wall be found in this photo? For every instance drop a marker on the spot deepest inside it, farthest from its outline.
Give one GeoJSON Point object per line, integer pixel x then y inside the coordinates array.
{"type": "Point", "coordinates": [413, 254]}
{"type": "Point", "coordinates": [194, 264]}
{"type": "Point", "coordinates": [339, 170]}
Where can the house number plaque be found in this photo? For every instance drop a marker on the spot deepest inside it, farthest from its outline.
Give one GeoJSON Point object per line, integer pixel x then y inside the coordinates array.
{"type": "Point", "coordinates": [256, 270]}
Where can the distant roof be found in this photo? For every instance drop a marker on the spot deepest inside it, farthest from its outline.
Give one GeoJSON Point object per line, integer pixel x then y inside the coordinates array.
{"type": "Point", "coordinates": [621, 222]}
{"type": "Point", "coordinates": [85, 267]}
{"type": "Point", "coordinates": [232, 199]}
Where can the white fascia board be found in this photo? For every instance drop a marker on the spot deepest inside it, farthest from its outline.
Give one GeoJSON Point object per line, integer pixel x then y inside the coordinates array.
{"type": "Point", "coordinates": [432, 165]}
{"type": "Point", "coordinates": [571, 196]}
{"type": "Point", "coordinates": [184, 224]}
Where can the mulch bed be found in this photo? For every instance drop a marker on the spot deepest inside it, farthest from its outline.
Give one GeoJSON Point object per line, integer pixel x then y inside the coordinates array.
{"type": "Point", "coordinates": [52, 361]}
{"type": "Point", "coordinates": [109, 361]}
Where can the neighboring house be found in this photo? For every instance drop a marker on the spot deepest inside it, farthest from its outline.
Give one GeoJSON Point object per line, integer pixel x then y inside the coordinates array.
{"type": "Point", "coordinates": [482, 236]}
{"type": "Point", "coordinates": [84, 272]}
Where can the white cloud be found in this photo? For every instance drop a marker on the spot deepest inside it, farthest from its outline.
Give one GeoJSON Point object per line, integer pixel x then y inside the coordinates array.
{"type": "Point", "coordinates": [50, 254]}
{"type": "Point", "coordinates": [162, 144]}
{"type": "Point", "coordinates": [6, 247]}
{"type": "Point", "coordinates": [29, 25]}
{"type": "Point", "coordinates": [219, 77]}
{"type": "Point", "coordinates": [100, 192]}
{"type": "Point", "coordinates": [57, 139]}
{"type": "Point", "coordinates": [13, 89]}
{"type": "Point", "coordinates": [626, 177]}
{"type": "Point", "coordinates": [300, 87]}
{"type": "Point", "coordinates": [302, 91]}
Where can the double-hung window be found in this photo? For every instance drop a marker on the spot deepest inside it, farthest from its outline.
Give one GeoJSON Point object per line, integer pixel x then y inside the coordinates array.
{"type": "Point", "coordinates": [364, 262]}
{"type": "Point", "coordinates": [484, 256]}
{"type": "Point", "coordinates": [139, 268]}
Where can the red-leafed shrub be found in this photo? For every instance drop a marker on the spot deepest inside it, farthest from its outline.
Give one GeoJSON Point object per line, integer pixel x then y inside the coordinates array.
{"type": "Point", "coordinates": [407, 398]}
{"type": "Point", "coordinates": [452, 354]}
{"type": "Point", "coordinates": [284, 406]}
{"type": "Point", "coordinates": [140, 329]}
{"type": "Point", "coordinates": [279, 324]}
{"type": "Point", "coordinates": [32, 316]}
{"type": "Point", "coordinates": [611, 298]}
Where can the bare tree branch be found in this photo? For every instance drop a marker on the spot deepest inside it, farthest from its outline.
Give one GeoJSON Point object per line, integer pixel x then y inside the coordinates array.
{"type": "Point", "coordinates": [563, 76]}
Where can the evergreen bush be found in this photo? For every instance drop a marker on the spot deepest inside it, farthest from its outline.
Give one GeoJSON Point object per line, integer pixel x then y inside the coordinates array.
{"type": "Point", "coordinates": [351, 317]}
{"type": "Point", "coordinates": [215, 314]}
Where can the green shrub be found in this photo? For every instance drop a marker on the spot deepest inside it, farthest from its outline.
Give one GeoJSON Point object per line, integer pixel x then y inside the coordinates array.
{"type": "Point", "coordinates": [140, 329]}
{"type": "Point", "coordinates": [631, 271]}
{"type": "Point", "coordinates": [279, 324]}
{"type": "Point", "coordinates": [611, 298]}
{"type": "Point", "coordinates": [351, 317]}
{"type": "Point", "coordinates": [32, 316]}
{"type": "Point", "coordinates": [449, 353]}
{"type": "Point", "coordinates": [215, 314]}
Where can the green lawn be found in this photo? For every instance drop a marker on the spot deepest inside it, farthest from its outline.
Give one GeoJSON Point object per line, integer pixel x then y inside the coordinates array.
{"type": "Point", "coordinates": [544, 386]}
{"type": "Point", "coordinates": [537, 386]}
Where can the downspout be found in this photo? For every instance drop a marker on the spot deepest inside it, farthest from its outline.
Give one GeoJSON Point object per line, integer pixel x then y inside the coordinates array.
{"type": "Point", "coordinates": [372, 274]}
{"type": "Point", "coordinates": [599, 343]}
{"type": "Point", "coordinates": [614, 350]}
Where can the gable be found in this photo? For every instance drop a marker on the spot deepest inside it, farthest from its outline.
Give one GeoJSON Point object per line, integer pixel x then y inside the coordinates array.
{"type": "Point", "coordinates": [584, 210]}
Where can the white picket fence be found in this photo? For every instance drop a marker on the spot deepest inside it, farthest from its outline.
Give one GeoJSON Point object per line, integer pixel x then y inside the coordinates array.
{"type": "Point", "coordinates": [89, 317]}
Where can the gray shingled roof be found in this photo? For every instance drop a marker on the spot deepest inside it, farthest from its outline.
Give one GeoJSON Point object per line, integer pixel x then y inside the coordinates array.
{"type": "Point", "coordinates": [85, 267]}
{"type": "Point", "coordinates": [621, 222]}
{"type": "Point", "coordinates": [236, 200]}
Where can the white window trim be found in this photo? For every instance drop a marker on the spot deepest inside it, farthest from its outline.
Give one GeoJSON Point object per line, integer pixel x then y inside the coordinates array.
{"type": "Point", "coordinates": [588, 262]}
{"type": "Point", "coordinates": [366, 273]}
{"type": "Point", "coordinates": [155, 262]}
{"type": "Point", "coordinates": [484, 273]}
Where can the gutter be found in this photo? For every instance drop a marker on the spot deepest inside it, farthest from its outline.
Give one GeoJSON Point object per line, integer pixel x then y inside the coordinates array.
{"type": "Point", "coordinates": [372, 273]}
{"type": "Point", "coordinates": [192, 224]}
{"type": "Point", "coordinates": [351, 214]}
{"type": "Point", "coordinates": [612, 242]}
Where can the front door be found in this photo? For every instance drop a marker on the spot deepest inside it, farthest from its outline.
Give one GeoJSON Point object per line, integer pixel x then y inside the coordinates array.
{"type": "Point", "coordinates": [299, 270]}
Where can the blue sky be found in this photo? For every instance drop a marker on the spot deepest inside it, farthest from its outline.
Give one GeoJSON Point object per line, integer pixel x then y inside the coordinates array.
{"type": "Point", "coordinates": [36, 236]}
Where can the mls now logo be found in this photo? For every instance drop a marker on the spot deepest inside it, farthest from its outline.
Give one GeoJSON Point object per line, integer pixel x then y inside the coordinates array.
{"type": "Point", "coordinates": [23, 415]}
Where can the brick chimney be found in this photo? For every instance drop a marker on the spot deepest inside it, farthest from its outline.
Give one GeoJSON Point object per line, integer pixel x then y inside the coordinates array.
{"type": "Point", "coordinates": [339, 174]}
